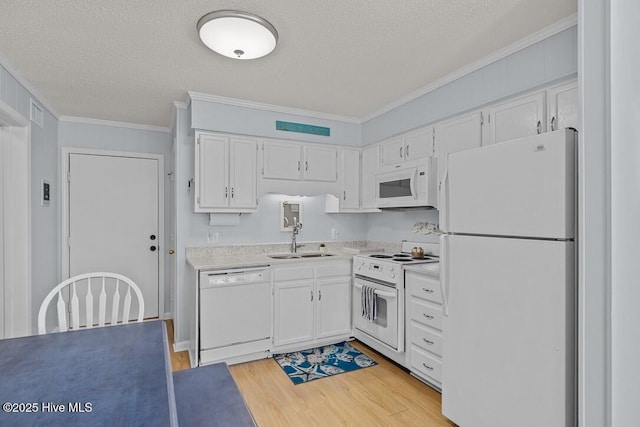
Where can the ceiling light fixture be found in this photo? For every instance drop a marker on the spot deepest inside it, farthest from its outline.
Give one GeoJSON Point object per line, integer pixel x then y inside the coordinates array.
{"type": "Point", "coordinates": [237, 35]}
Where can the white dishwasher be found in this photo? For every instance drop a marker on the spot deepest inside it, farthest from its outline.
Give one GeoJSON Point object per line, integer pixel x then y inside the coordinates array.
{"type": "Point", "coordinates": [235, 315]}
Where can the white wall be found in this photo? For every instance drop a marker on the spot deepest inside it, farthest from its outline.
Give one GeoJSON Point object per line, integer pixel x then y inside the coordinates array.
{"type": "Point", "coordinates": [395, 226]}
{"type": "Point", "coordinates": [45, 259]}
{"type": "Point", "coordinates": [110, 137]}
{"type": "Point", "coordinates": [625, 211]}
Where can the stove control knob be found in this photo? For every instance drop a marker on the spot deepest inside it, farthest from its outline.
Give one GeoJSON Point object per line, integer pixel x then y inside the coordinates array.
{"type": "Point", "coordinates": [392, 270]}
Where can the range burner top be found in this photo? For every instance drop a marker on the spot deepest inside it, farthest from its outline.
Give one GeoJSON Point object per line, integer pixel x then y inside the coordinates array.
{"type": "Point", "coordinates": [401, 255]}
{"type": "Point", "coordinates": [403, 259]}
{"type": "Point", "coordinates": [381, 256]}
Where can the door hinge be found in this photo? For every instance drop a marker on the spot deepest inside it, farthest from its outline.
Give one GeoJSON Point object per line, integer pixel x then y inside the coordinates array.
{"type": "Point", "coordinates": [68, 176]}
{"type": "Point", "coordinates": [481, 119]}
{"type": "Point", "coordinates": [262, 171]}
{"type": "Point", "coordinates": [256, 201]}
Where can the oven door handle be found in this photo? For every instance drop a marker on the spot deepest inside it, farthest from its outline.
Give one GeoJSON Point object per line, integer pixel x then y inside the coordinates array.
{"type": "Point", "coordinates": [377, 292]}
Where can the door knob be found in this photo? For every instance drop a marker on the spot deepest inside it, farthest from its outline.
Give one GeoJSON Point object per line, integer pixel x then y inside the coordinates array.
{"type": "Point", "coordinates": [152, 237]}
{"type": "Point", "coordinates": [171, 252]}
{"type": "Point", "coordinates": [153, 248]}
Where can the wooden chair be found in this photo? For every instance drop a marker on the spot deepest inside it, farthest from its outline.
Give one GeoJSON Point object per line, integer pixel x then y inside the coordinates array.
{"type": "Point", "coordinates": [106, 287]}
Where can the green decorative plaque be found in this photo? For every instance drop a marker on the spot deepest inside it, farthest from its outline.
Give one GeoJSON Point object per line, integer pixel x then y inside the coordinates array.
{"type": "Point", "coordinates": [302, 128]}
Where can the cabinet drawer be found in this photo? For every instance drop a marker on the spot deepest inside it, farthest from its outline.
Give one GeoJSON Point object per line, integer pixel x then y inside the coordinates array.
{"type": "Point", "coordinates": [426, 338]}
{"type": "Point", "coordinates": [425, 287]}
{"type": "Point", "coordinates": [292, 273]}
{"type": "Point", "coordinates": [426, 364]}
{"type": "Point", "coordinates": [426, 314]}
{"type": "Point", "coordinates": [333, 269]}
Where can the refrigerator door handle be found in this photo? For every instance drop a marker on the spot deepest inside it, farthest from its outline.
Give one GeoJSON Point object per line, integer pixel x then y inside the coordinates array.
{"type": "Point", "coordinates": [444, 274]}
{"type": "Point", "coordinates": [443, 201]}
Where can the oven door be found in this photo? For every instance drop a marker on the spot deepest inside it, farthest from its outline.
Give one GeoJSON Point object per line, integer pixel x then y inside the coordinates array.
{"type": "Point", "coordinates": [384, 327]}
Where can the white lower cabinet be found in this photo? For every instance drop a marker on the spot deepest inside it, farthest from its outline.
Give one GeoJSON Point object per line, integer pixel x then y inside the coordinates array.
{"type": "Point", "coordinates": [424, 327]}
{"type": "Point", "coordinates": [312, 304]}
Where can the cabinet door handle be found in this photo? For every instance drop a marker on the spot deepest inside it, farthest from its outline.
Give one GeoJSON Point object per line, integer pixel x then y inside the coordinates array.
{"type": "Point", "coordinates": [427, 366]}
{"type": "Point", "coordinates": [400, 152]}
{"type": "Point", "coordinates": [226, 192]}
{"type": "Point", "coordinates": [406, 151]}
{"type": "Point", "coordinates": [539, 127]}
{"type": "Point", "coordinates": [319, 295]}
{"type": "Point", "coordinates": [298, 165]}
{"type": "Point", "coordinates": [428, 316]}
{"type": "Point", "coordinates": [427, 341]}
{"type": "Point", "coordinates": [553, 123]}
{"type": "Point", "coordinates": [429, 291]}
{"type": "Point", "coordinates": [344, 194]}
{"type": "Point", "coordinates": [306, 165]}
{"type": "Point", "coordinates": [311, 295]}
{"type": "Point", "coordinates": [232, 192]}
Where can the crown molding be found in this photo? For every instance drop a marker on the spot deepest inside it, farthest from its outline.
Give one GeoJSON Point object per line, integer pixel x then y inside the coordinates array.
{"type": "Point", "coordinates": [523, 43]}
{"type": "Point", "coordinates": [268, 107]}
{"type": "Point", "coordinates": [100, 122]}
{"type": "Point", "coordinates": [8, 66]}
{"type": "Point", "coordinates": [179, 105]}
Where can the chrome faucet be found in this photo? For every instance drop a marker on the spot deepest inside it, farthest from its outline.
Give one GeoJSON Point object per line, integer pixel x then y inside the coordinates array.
{"type": "Point", "coordinates": [297, 226]}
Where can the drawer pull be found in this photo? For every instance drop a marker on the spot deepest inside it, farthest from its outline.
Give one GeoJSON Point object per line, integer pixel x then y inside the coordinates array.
{"type": "Point", "coordinates": [427, 341]}
{"type": "Point", "coordinates": [429, 291]}
{"type": "Point", "coordinates": [428, 316]}
{"type": "Point", "coordinates": [427, 366]}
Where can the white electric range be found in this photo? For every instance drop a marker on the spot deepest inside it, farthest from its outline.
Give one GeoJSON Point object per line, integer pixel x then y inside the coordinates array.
{"type": "Point", "coordinates": [383, 275]}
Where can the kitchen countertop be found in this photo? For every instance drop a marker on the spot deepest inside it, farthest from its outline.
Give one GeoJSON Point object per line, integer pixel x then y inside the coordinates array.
{"type": "Point", "coordinates": [256, 255]}
{"type": "Point", "coordinates": [432, 269]}
{"type": "Point", "coordinates": [217, 262]}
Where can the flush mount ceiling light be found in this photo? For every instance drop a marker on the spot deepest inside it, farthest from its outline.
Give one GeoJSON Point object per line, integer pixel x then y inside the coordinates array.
{"type": "Point", "coordinates": [237, 35]}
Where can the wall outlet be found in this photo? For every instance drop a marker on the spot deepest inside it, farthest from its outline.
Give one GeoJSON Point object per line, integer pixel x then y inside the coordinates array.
{"type": "Point", "coordinates": [213, 236]}
{"type": "Point", "coordinates": [335, 234]}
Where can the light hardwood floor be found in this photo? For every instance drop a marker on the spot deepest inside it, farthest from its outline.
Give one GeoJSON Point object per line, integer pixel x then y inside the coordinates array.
{"type": "Point", "coordinates": [382, 395]}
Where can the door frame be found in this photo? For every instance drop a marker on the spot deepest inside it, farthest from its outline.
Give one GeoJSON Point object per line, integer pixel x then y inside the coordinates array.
{"type": "Point", "coordinates": [17, 211]}
{"type": "Point", "coordinates": [64, 198]}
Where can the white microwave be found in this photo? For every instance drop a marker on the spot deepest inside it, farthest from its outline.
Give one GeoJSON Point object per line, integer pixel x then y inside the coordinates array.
{"type": "Point", "coordinates": [409, 184]}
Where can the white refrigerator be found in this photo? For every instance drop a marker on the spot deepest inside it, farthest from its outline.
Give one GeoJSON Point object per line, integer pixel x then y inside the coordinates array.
{"type": "Point", "coordinates": [508, 271]}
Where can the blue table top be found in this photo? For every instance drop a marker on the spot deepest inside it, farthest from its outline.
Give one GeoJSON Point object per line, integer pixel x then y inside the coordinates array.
{"type": "Point", "coordinates": [117, 375]}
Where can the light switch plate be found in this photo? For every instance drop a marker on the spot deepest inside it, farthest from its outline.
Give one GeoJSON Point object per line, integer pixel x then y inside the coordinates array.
{"type": "Point", "coordinates": [45, 193]}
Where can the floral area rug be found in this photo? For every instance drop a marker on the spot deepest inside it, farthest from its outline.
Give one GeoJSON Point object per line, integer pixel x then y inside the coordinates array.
{"type": "Point", "coordinates": [321, 362]}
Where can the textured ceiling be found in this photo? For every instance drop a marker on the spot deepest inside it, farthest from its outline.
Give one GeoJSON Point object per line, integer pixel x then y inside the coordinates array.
{"type": "Point", "coordinates": [127, 60]}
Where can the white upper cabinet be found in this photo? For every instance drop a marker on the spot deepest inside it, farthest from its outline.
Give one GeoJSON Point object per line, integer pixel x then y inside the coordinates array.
{"type": "Point", "coordinates": [282, 160]}
{"type": "Point", "coordinates": [563, 106]}
{"type": "Point", "coordinates": [458, 134]}
{"type": "Point", "coordinates": [297, 161]}
{"type": "Point", "coordinates": [225, 170]}
{"type": "Point", "coordinates": [370, 164]}
{"type": "Point", "coordinates": [350, 179]}
{"type": "Point", "coordinates": [242, 172]}
{"type": "Point", "coordinates": [419, 143]}
{"type": "Point", "coordinates": [408, 146]}
{"type": "Point", "coordinates": [517, 118]}
{"type": "Point", "coordinates": [392, 151]}
{"type": "Point", "coordinates": [320, 163]}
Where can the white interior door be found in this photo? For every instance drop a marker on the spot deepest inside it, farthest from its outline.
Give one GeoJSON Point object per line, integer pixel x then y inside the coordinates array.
{"type": "Point", "coordinates": [114, 220]}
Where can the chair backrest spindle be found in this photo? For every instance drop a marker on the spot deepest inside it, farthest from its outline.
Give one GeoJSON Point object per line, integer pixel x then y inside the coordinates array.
{"type": "Point", "coordinates": [75, 287]}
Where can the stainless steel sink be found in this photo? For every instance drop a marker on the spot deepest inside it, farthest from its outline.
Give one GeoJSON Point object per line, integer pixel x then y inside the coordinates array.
{"type": "Point", "coordinates": [300, 255]}
{"type": "Point", "coordinates": [314, 255]}
{"type": "Point", "coordinates": [285, 256]}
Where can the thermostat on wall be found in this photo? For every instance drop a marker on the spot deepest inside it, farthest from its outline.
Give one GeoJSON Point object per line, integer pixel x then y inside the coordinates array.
{"type": "Point", "coordinates": [45, 193]}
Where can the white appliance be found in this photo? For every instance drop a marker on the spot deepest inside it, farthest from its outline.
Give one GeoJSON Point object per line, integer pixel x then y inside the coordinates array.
{"type": "Point", "coordinates": [385, 274]}
{"type": "Point", "coordinates": [409, 184]}
{"type": "Point", "coordinates": [508, 265]}
{"type": "Point", "coordinates": [235, 315]}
